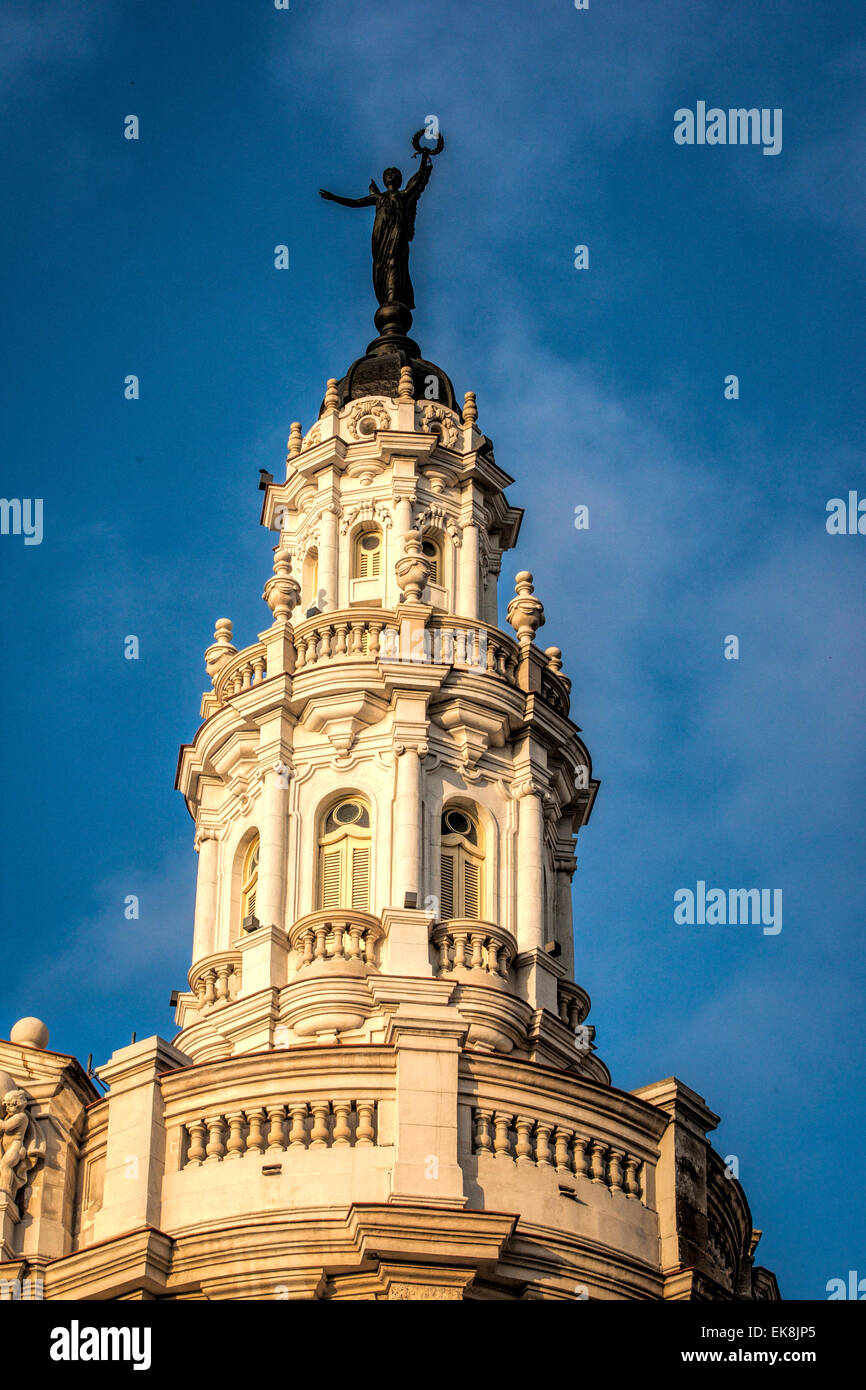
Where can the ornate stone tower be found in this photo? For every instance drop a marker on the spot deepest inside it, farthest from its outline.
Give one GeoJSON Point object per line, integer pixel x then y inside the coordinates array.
{"type": "Point", "coordinates": [383, 1086]}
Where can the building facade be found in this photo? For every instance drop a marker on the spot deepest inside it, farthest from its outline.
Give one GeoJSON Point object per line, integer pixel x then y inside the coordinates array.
{"type": "Point", "coordinates": [383, 1085]}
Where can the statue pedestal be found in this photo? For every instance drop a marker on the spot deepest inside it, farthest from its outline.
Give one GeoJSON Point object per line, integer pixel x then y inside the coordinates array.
{"type": "Point", "coordinates": [9, 1218]}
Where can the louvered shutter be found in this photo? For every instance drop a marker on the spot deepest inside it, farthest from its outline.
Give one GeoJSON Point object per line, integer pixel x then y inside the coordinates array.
{"type": "Point", "coordinates": [331, 878]}
{"type": "Point", "coordinates": [363, 563]}
{"type": "Point", "coordinates": [470, 889]}
{"type": "Point", "coordinates": [446, 906]}
{"type": "Point", "coordinates": [376, 562]}
{"type": "Point", "coordinates": [361, 878]}
{"type": "Point", "coordinates": [251, 903]}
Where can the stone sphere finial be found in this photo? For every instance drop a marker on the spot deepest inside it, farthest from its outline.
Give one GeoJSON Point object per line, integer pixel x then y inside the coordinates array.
{"type": "Point", "coordinates": [406, 389]}
{"type": "Point", "coordinates": [295, 439]}
{"type": "Point", "coordinates": [525, 613]}
{"type": "Point", "coordinates": [30, 1032]}
{"type": "Point", "coordinates": [554, 658]}
{"type": "Point", "coordinates": [413, 569]}
{"type": "Point", "coordinates": [470, 409]}
{"type": "Point", "coordinates": [332, 395]}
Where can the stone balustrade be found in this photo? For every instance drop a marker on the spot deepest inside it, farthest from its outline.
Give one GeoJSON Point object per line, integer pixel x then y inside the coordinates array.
{"type": "Point", "coordinates": [215, 980]}
{"type": "Point", "coordinates": [524, 1140]}
{"type": "Point", "coordinates": [573, 1004]}
{"type": "Point", "coordinates": [359, 636]}
{"type": "Point", "coordinates": [341, 935]}
{"type": "Point", "coordinates": [265, 1130]}
{"type": "Point", "coordinates": [241, 672]}
{"type": "Point", "coordinates": [470, 945]}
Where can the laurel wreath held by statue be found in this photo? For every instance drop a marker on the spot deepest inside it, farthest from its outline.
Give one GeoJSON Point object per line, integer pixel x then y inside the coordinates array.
{"type": "Point", "coordinates": [422, 149]}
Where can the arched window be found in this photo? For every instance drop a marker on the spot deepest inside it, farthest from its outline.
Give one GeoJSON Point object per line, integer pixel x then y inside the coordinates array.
{"type": "Point", "coordinates": [250, 879]}
{"type": "Point", "coordinates": [432, 551]}
{"type": "Point", "coordinates": [344, 856]}
{"type": "Point", "coordinates": [462, 884]}
{"type": "Point", "coordinates": [368, 555]}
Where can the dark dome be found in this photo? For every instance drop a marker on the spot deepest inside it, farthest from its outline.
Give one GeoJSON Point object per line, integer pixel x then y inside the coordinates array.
{"type": "Point", "coordinates": [379, 375]}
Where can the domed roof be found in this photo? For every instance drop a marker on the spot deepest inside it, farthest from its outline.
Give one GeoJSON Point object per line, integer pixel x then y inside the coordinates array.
{"type": "Point", "coordinates": [378, 374]}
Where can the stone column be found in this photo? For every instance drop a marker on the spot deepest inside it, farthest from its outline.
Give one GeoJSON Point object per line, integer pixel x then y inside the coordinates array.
{"type": "Point", "coordinates": [407, 821]}
{"type": "Point", "coordinates": [328, 553]}
{"type": "Point", "coordinates": [469, 572]}
{"type": "Point", "coordinates": [565, 866]}
{"type": "Point", "coordinates": [204, 931]}
{"type": "Point", "coordinates": [273, 823]}
{"type": "Point", "coordinates": [530, 867]}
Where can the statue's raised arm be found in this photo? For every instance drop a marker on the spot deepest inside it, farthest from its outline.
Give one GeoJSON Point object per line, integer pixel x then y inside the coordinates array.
{"type": "Point", "coordinates": [367, 202]}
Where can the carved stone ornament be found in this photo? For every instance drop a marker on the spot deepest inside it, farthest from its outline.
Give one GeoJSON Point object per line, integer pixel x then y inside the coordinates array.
{"type": "Point", "coordinates": [525, 613]}
{"type": "Point", "coordinates": [22, 1142]}
{"type": "Point", "coordinates": [366, 418]}
{"type": "Point", "coordinates": [413, 569]}
{"type": "Point", "coordinates": [438, 419]}
{"type": "Point", "coordinates": [220, 650]}
{"type": "Point", "coordinates": [282, 592]}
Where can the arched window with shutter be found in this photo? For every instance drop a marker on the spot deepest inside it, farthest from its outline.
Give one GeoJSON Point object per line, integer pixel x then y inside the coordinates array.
{"type": "Point", "coordinates": [433, 552]}
{"type": "Point", "coordinates": [250, 879]}
{"type": "Point", "coordinates": [368, 555]}
{"type": "Point", "coordinates": [344, 856]}
{"type": "Point", "coordinates": [462, 866]}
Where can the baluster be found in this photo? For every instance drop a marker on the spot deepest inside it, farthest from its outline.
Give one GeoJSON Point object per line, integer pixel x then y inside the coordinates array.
{"type": "Point", "coordinates": [235, 1146]}
{"type": "Point", "coordinates": [196, 1153]}
{"type": "Point", "coordinates": [222, 987]}
{"type": "Point", "coordinates": [505, 962]}
{"type": "Point", "coordinates": [477, 959]}
{"type": "Point", "coordinates": [511, 669]}
{"type": "Point", "coordinates": [210, 986]}
{"type": "Point", "coordinates": [298, 1131]}
{"type": "Point", "coordinates": [308, 939]}
{"type": "Point", "coordinates": [460, 940]}
{"type": "Point", "coordinates": [342, 1131]}
{"type": "Point", "coordinates": [341, 630]}
{"type": "Point", "coordinates": [483, 1139]}
{"type": "Point", "coordinates": [493, 956]}
{"type": "Point", "coordinates": [247, 671]}
{"type": "Point", "coordinates": [258, 670]}
{"type": "Point", "coordinates": [321, 939]}
{"type": "Point", "coordinates": [276, 1137]}
{"type": "Point", "coordinates": [597, 1151]}
{"type": "Point", "coordinates": [325, 644]}
{"type": "Point", "coordinates": [614, 1170]}
{"type": "Point", "coordinates": [199, 990]}
{"type": "Point", "coordinates": [337, 949]}
{"type": "Point", "coordinates": [355, 934]}
{"type": "Point", "coordinates": [215, 1147]}
{"type": "Point", "coordinates": [237, 684]}
{"type": "Point", "coordinates": [357, 632]}
{"type": "Point", "coordinates": [447, 647]}
{"type": "Point", "coordinates": [460, 647]}
{"type": "Point", "coordinates": [319, 1133]}
{"type": "Point", "coordinates": [492, 651]}
{"type": "Point", "coordinates": [524, 1142]}
{"type": "Point", "coordinates": [311, 648]}
{"type": "Point", "coordinates": [632, 1179]}
{"type": "Point", "coordinates": [562, 1157]}
{"type": "Point", "coordinates": [444, 953]}
{"type": "Point", "coordinates": [542, 1144]}
{"type": "Point", "coordinates": [573, 1014]}
{"type": "Point", "coordinates": [563, 1007]}
{"type": "Point", "coordinates": [255, 1138]}
{"type": "Point", "coordinates": [364, 1134]}
{"type": "Point", "coordinates": [501, 1138]}
{"type": "Point", "coordinates": [580, 1157]}
{"type": "Point", "coordinates": [375, 640]}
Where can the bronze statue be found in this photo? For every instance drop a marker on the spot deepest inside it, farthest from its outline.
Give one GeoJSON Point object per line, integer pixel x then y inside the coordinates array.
{"type": "Point", "coordinates": [394, 225]}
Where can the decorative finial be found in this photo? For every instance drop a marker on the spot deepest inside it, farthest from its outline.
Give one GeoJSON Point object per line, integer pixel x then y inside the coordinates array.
{"type": "Point", "coordinates": [393, 229]}
{"type": "Point", "coordinates": [470, 409]}
{"type": "Point", "coordinates": [332, 395]}
{"type": "Point", "coordinates": [295, 439]}
{"type": "Point", "coordinates": [406, 390]}
{"type": "Point", "coordinates": [30, 1032]}
{"type": "Point", "coordinates": [221, 649]}
{"type": "Point", "coordinates": [525, 613]}
{"type": "Point", "coordinates": [413, 569]}
{"type": "Point", "coordinates": [554, 658]}
{"type": "Point", "coordinates": [282, 593]}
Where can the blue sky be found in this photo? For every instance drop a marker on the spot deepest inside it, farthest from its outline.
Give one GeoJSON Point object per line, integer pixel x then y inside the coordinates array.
{"type": "Point", "coordinates": [601, 387]}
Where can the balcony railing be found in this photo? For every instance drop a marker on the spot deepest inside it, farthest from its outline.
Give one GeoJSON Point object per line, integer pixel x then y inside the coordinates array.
{"type": "Point", "coordinates": [465, 944]}
{"type": "Point", "coordinates": [341, 935]}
